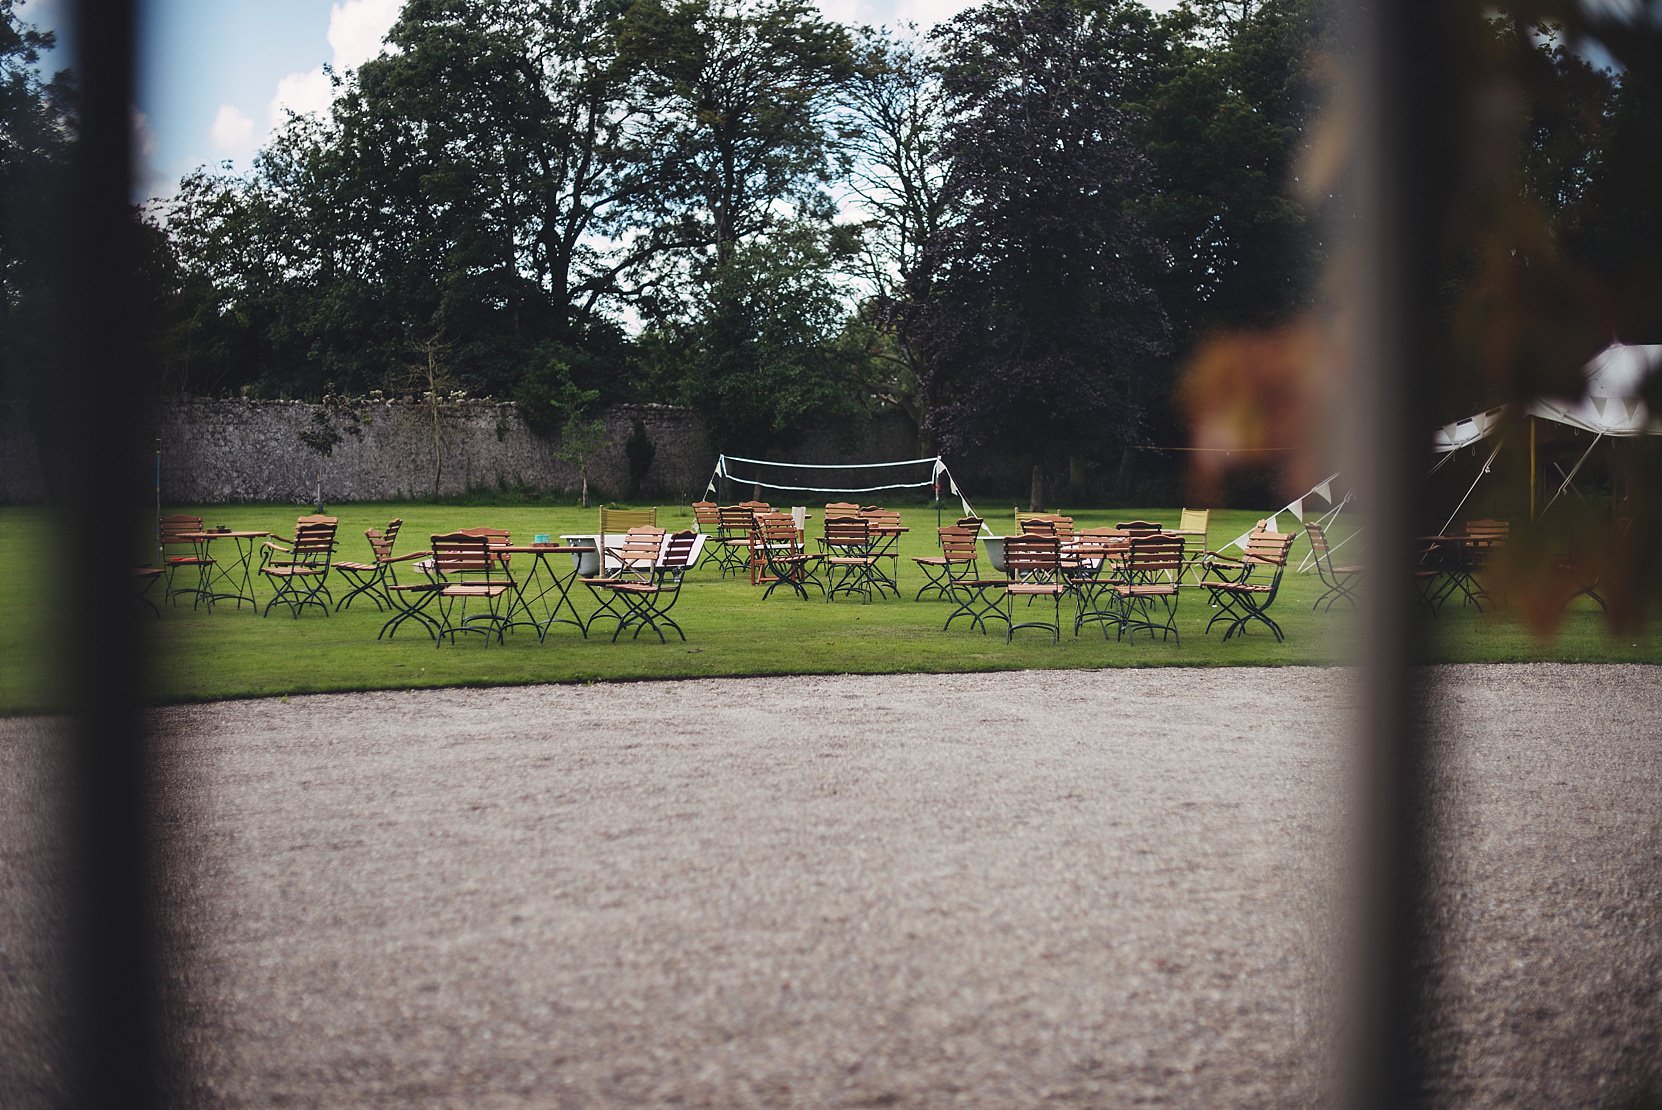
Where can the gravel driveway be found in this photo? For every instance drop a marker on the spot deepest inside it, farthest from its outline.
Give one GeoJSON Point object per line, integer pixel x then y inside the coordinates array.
{"type": "Point", "coordinates": [1071, 888]}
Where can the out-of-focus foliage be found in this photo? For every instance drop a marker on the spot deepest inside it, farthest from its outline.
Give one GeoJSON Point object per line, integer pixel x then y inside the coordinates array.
{"type": "Point", "coordinates": [1545, 247]}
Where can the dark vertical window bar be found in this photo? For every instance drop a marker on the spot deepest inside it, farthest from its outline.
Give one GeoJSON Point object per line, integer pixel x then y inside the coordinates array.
{"type": "Point", "coordinates": [1404, 139]}
{"type": "Point", "coordinates": [115, 1042]}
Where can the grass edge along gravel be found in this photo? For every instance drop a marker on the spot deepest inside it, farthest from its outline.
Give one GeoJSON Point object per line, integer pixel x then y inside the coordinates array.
{"type": "Point", "coordinates": [198, 656]}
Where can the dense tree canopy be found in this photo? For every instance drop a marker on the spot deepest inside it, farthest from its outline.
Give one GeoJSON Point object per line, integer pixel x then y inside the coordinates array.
{"type": "Point", "coordinates": [1042, 325]}
{"type": "Point", "coordinates": [1011, 230]}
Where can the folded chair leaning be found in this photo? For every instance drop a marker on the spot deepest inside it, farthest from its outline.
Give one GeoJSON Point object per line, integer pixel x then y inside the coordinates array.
{"type": "Point", "coordinates": [1241, 594]}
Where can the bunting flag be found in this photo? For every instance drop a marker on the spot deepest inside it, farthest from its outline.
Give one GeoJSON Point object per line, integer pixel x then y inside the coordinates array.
{"type": "Point", "coordinates": [1322, 489]}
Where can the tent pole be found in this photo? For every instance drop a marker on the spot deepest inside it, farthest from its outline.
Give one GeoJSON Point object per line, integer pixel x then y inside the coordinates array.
{"type": "Point", "coordinates": [1531, 420]}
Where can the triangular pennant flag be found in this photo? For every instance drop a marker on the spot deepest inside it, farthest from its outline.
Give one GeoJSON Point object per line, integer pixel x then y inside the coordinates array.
{"type": "Point", "coordinates": [1297, 508]}
{"type": "Point", "coordinates": [1324, 491]}
{"type": "Point", "coordinates": [1275, 522]}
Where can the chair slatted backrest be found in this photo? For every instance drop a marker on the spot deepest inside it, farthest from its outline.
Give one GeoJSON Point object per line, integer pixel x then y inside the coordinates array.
{"type": "Point", "coordinates": [314, 539]}
{"type": "Point", "coordinates": [175, 528]}
{"type": "Point", "coordinates": [1046, 524]}
{"type": "Point", "coordinates": [1268, 548]}
{"type": "Point", "coordinates": [677, 553]}
{"type": "Point", "coordinates": [974, 522]}
{"type": "Point", "coordinates": [1031, 557]}
{"type": "Point", "coordinates": [778, 533]}
{"type": "Point", "coordinates": [879, 517]}
{"type": "Point", "coordinates": [494, 538]}
{"type": "Point", "coordinates": [1100, 543]}
{"type": "Point", "coordinates": [1495, 531]}
{"type": "Point", "coordinates": [756, 506]}
{"type": "Point", "coordinates": [381, 540]}
{"type": "Point", "coordinates": [707, 515]}
{"type": "Point", "coordinates": [613, 521]}
{"type": "Point", "coordinates": [1140, 527]}
{"type": "Point", "coordinates": [641, 547]}
{"type": "Point", "coordinates": [841, 508]}
{"type": "Point", "coordinates": [465, 556]}
{"type": "Point", "coordinates": [1318, 541]}
{"type": "Point", "coordinates": [847, 532]}
{"type": "Point", "coordinates": [958, 543]}
{"type": "Point", "coordinates": [1155, 557]}
{"type": "Point", "coordinates": [734, 521]}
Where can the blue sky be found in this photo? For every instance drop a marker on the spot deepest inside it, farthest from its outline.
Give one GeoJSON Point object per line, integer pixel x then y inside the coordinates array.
{"type": "Point", "coordinates": [216, 75]}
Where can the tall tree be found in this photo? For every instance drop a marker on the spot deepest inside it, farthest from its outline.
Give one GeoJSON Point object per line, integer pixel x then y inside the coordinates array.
{"type": "Point", "coordinates": [741, 94]}
{"type": "Point", "coordinates": [896, 177]}
{"type": "Point", "coordinates": [1043, 325]}
{"type": "Point", "coordinates": [742, 97]}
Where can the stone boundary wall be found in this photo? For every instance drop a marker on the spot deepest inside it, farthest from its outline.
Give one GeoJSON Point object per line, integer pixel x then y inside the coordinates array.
{"type": "Point", "coordinates": [221, 451]}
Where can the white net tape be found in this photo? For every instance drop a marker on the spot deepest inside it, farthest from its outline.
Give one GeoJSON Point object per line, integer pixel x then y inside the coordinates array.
{"type": "Point", "coordinates": [838, 478]}
{"type": "Point", "coordinates": [807, 478]}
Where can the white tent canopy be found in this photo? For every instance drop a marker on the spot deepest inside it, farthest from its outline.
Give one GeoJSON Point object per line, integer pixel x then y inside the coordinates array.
{"type": "Point", "coordinates": [1612, 407]}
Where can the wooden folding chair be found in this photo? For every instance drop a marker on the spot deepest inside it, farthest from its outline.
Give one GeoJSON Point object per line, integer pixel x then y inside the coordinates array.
{"type": "Point", "coordinates": [469, 571]}
{"type": "Point", "coordinates": [647, 603]}
{"type": "Point", "coordinates": [734, 524]}
{"type": "Point", "coordinates": [1339, 582]}
{"type": "Point", "coordinates": [847, 544]}
{"type": "Point", "coordinates": [779, 558]}
{"type": "Point", "coordinates": [371, 579]}
{"type": "Point", "coordinates": [1148, 587]}
{"type": "Point", "coordinates": [957, 559]}
{"type": "Point", "coordinates": [1035, 566]}
{"type": "Point", "coordinates": [300, 567]}
{"type": "Point", "coordinates": [634, 559]}
{"type": "Point", "coordinates": [1241, 595]}
{"type": "Point", "coordinates": [179, 551]}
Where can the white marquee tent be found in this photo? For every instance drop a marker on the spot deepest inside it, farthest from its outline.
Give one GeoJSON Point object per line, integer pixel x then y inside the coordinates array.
{"type": "Point", "coordinates": [1612, 407]}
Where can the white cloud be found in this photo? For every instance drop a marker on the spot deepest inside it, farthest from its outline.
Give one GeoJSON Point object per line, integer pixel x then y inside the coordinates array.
{"type": "Point", "coordinates": [232, 131]}
{"type": "Point", "coordinates": [148, 179]}
{"type": "Point", "coordinates": [356, 29]}
{"type": "Point", "coordinates": [302, 93]}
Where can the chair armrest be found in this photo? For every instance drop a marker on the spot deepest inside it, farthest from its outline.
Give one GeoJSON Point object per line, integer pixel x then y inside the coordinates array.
{"type": "Point", "coordinates": [407, 556]}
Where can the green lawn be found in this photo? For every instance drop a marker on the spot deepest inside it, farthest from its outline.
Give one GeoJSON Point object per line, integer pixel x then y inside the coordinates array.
{"type": "Point", "coordinates": [731, 631]}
